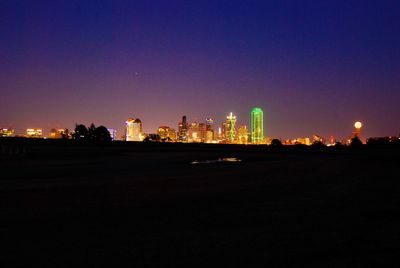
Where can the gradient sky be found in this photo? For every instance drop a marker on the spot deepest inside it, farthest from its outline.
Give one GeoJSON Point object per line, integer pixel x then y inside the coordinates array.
{"type": "Point", "coordinates": [312, 66]}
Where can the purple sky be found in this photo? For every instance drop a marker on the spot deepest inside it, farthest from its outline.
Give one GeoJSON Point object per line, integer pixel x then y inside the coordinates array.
{"type": "Point", "coordinates": [312, 66]}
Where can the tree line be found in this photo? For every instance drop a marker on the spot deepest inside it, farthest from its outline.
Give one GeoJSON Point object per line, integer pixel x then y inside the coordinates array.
{"type": "Point", "coordinates": [355, 142]}
{"type": "Point", "coordinates": [92, 132]}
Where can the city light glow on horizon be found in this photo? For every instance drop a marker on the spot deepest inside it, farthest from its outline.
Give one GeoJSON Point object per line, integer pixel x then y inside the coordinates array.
{"type": "Point", "coordinates": [197, 132]}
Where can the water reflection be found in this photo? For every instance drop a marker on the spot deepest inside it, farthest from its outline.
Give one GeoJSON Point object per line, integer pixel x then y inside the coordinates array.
{"type": "Point", "coordinates": [219, 160]}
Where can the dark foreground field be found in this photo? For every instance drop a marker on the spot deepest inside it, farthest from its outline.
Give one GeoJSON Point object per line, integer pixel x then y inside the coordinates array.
{"type": "Point", "coordinates": [68, 205]}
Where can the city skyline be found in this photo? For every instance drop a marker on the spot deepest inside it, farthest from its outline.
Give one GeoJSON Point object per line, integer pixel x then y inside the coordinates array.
{"type": "Point", "coordinates": [198, 132]}
{"type": "Point", "coordinates": [329, 65]}
{"type": "Point", "coordinates": [204, 131]}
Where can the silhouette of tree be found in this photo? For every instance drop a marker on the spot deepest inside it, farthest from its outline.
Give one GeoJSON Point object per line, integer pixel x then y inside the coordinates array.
{"type": "Point", "coordinates": [355, 142]}
{"type": "Point", "coordinates": [299, 145]}
{"type": "Point", "coordinates": [378, 142]}
{"type": "Point", "coordinates": [338, 144]}
{"type": "Point", "coordinates": [276, 143]}
{"type": "Point", "coordinates": [81, 132]}
{"type": "Point", "coordinates": [102, 134]}
{"type": "Point", "coordinates": [396, 142]}
{"type": "Point", "coordinates": [318, 144]}
{"type": "Point", "coordinates": [92, 132]}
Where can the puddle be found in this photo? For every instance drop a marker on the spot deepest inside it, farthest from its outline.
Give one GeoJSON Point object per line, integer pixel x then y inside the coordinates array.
{"type": "Point", "coordinates": [219, 160]}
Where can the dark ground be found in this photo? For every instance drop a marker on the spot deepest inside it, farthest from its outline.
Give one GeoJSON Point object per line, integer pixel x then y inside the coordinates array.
{"type": "Point", "coordinates": [64, 204]}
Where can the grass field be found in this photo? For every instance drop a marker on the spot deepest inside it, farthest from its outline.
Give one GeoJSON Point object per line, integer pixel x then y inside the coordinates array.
{"type": "Point", "coordinates": [67, 204]}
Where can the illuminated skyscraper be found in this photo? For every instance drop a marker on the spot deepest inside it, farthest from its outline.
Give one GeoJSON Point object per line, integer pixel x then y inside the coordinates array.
{"type": "Point", "coordinates": [209, 130]}
{"type": "Point", "coordinates": [221, 133]}
{"type": "Point", "coordinates": [194, 134]}
{"type": "Point", "coordinates": [183, 130]}
{"type": "Point", "coordinates": [202, 132]}
{"type": "Point", "coordinates": [230, 131]}
{"type": "Point", "coordinates": [134, 130]}
{"type": "Point", "coordinates": [243, 135]}
{"type": "Point", "coordinates": [257, 125]}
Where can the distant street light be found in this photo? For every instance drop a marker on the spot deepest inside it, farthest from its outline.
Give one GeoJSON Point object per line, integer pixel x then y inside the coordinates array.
{"type": "Point", "coordinates": [358, 126]}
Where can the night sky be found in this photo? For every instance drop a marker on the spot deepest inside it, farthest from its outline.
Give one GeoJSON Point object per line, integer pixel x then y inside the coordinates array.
{"type": "Point", "coordinates": [312, 66]}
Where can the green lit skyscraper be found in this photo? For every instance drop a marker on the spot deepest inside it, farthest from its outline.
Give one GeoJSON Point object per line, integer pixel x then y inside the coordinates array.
{"type": "Point", "coordinates": [230, 131]}
{"type": "Point", "coordinates": [257, 125]}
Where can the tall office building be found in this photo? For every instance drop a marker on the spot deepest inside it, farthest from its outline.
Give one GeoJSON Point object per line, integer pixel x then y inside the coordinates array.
{"type": "Point", "coordinates": [243, 135]}
{"type": "Point", "coordinates": [209, 130]}
{"type": "Point", "coordinates": [221, 137]}
{"type": "Point", "coordinates": [194, 133]}
{"type": "Point", "coordinates": [134, 130]}
{"type": "Point", "coordinates": [202, 132]}
{"type": "Point", "coordinates": [230, 131]}
{"type": "Point", "coordinates": [257, 125]}
{"type": "Point", "coordinates": [183, 130]}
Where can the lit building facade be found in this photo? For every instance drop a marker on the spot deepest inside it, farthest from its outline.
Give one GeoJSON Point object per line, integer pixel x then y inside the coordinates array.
{"type": "Point", "coordinates": [257, 125]}
{"type": "Point", "coordinates": [304, 141]}
{"type": "Point", "coordinates": [209, 130]}
{"type": "Point", "coordinates": [34, 133]}
{"type": "Point", "coordinates": [317, 138]}
{"type": "Point", "coordinates": [6, 132]}
{"type": "Point", "coordinates": [134, 130]}
{"type": "Point", "coordinates": [60, 133]}
{"type": "Point", "coordinates": [194, 133]}
{"type": "Point", "coordinates": [230, 128]}
{"type": "Point", "coordinates": [221, 137]}
{"type": "Point", "coordinates": [202, 132]}
{"type": "Point", "coordinates": [183, 130]}
{"type": "Point", "coordinates": [166, 133]}
{"type": "Point", "coordinates": [243, 135]}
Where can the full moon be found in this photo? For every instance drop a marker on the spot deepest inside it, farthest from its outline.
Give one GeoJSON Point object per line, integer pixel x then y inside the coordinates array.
{"type": "Point", "coordinates": [357, 124]}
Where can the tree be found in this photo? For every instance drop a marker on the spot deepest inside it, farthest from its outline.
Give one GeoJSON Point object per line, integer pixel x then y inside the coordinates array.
{"type": "Point", "coordinates": [81, 132]}
{"type": "Point", "coordinates": [338, 144]}
{"type": "Point", "coordinates": [318, 144]}
{"type": "Point", "coordinates": [378, 142]}
{"type": "Point", "coordinates": [356, 142]}
{"type": "Point", "coordinates": [92, 132]}
{"type": "Point", "coordinates": [276, 143]}
{"type": "Point", "coordinates": [101, 133]}
{"type": "Point", "coordinates": [396, 142]}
